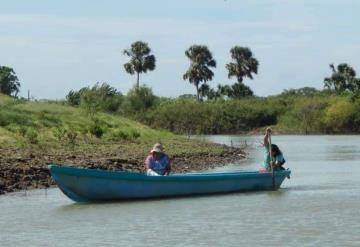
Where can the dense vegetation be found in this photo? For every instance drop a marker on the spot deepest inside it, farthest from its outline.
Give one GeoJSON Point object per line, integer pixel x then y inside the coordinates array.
{"type": "Point", "coordinates": [303, 111]}
{"type": "Point", "coordinates": [303, 114]}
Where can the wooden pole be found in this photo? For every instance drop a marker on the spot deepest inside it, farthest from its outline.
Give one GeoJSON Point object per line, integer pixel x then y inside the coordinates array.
{"type": "Point", "coordinates": [271, 164]}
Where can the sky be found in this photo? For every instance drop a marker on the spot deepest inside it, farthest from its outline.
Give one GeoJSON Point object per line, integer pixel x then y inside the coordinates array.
{"type": "Point", "coordinates": [58, 46]}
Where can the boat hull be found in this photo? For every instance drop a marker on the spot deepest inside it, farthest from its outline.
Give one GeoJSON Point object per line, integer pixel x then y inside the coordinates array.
{"type": "Point", "coordinates": [83, 185]}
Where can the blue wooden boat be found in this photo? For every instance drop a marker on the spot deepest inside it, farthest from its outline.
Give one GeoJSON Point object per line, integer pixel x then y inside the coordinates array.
{"type": "Point", "coordinates": [83, 185]}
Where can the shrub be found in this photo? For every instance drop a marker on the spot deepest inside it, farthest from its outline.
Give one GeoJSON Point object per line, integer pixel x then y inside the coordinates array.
{"type": "Point", "coordinates": [123, 134]}
{"type": "Point", "coordinates": [32, 136]}
{"type": "Point", "coordinates": [138, 100]}
{"type": "Point", "coordinates": [14, 117]}
{"type": "Point", "coordinates": [339, 116]}
{"type": "Point", "coordinates": [59, 133]}
{"type": "Point", "coordinates": [22, 131]}
{"type": "Point", "coordinates": [305, 115]}
{"type": "Point", "coordinates": [73, 98]}
{"type": "Point", "coordinates": [71, 136]}
{"type": "Point", "coordinates": [96, 130]}
{"type": "Point", "coordinates": [100, 98]}
{"type": "Point", "coordinates": [211, 117]}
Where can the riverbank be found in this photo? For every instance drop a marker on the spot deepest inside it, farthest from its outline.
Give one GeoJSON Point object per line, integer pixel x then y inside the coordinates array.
{"type": "Point", "coordinates": [22, 169]}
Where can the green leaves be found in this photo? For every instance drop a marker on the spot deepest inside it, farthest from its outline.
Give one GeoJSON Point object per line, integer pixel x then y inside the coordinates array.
{"type": "Point", "coordinates": [138, 100]}
{"type": "Point", "coordinates": [9, 83]}
{"type": "Point", "coordinates": [243, 66]}
{"type": "Point", "coordinates": [244, 63]}
{"type": "Point", "coordinates": [140, 59]}
{"type": "Point", "coordinates": [99, 97]}
{"type": "Point", "coordinates": [239, 90]}
{"type": "Point", "coordinates": [187, 116]}
{"type": "Point", "coordinates": [200, 62]}
{"type": "Point", "coordinates": [342, 79]}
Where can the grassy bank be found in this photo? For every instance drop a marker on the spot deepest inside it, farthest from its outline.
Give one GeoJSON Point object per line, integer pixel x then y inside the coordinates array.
{"type": "Point", "coordinates": [50, 126]}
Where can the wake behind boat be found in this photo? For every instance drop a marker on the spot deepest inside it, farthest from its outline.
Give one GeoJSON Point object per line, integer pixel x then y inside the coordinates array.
{"type": "Point", "coordinates": [84, 185]}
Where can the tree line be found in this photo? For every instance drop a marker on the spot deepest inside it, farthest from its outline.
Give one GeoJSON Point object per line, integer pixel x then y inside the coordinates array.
{"type": "Point", "coordinates": [302, 111]}
{"type": "Point", "coordinates": [243, 64]}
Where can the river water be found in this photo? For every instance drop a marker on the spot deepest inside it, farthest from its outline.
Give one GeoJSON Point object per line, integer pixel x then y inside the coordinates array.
{"type": "Point", "coordinates": [318, 206]}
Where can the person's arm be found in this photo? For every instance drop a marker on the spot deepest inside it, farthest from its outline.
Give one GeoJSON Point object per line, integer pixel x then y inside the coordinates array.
{"type": "Point", "coordinates": [147, 162]}
{"type": "Point", "coordinates": [266, 137]}
{"type": "Point", "coordinates": [275, 164]}
{"type": "Point", "coordinates": [279, 161]}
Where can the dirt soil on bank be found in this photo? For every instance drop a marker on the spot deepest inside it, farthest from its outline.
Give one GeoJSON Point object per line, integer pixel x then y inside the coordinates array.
{"type": "Point", "coordinates": [27, 169]}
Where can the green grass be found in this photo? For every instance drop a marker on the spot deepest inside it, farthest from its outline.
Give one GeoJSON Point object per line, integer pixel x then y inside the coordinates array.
{"type": "Point", "coordinates": [60, 128]}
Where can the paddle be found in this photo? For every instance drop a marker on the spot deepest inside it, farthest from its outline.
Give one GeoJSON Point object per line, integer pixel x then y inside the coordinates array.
{"type": "Point", "coordinates": [271, 163]}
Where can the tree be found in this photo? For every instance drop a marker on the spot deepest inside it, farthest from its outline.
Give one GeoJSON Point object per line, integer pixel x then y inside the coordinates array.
{"type": "Point", "coordinates": [204, 90]}
{"type": "Point", "coordinates": [224, 90]}
{"type": "Point", "coordinates": [73, 98]}
{"type": "Point", "coordinates": [240, 90]}
{"type": "Point", "coordinates": [304, 91]}
{"type": "Point", "coordinates": [187, 96]}
{"type": "Point", "coordinates": [343, 78]}
{"type": "Point", "coordinates": [340, 115]}
{"type": "Point", "coordinates": [138, 100]}
{"type": "Point", "coordinates": [140, 59]}
{"type": "Point", "coordinates": [9, 83]}
{"type": "Point", "coordinates": [307, 115]}
{"type": "Point", "coordinates": [235, 91]}
{"type": "Point", "coordinates": [244, 63]}
{"type": "Point", "coordinates": [100, 97]}
{"type": "Point", "coordinates": [200, 61]}
{"type": "Point", "coordinates": [209, 93]}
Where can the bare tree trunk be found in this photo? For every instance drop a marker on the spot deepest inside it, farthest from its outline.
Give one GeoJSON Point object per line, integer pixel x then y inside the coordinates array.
{"type": "Point", "coordinates": [197, 92]}
{"type": "Point", "coordinates": [137, 80]}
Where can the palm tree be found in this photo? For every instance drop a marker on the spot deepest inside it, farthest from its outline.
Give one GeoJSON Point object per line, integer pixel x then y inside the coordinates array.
{"type": "Point", "coordinates": [244, 63]}
{"type": "Point", "coordinates": [200, 61]}
{"type": "Point", "coordinates": [140, 59]}
{"type": "Point", "coordinates": [343, 78]}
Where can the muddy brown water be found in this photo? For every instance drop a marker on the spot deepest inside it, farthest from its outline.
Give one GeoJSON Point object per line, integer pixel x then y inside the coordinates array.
{"type": "Point", "coordinates": [318, 206]}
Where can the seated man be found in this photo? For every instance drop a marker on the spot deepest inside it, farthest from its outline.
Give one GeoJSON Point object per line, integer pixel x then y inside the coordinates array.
{"type": "Point", "coordinates": [157, 163]}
